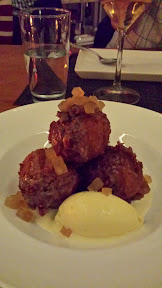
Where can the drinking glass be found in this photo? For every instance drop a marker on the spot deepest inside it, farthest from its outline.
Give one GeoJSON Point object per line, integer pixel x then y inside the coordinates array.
{"type": "Point", "coordinates": [45, 35]}
{"type": "Point", "coordinates": [123, 13]}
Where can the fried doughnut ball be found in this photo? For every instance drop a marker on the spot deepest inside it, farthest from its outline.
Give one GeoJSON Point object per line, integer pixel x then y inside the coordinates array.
{"type": "Point", "coordinates": [119, 169]}
{"type": "Point", "coordinates": [41, 186]}
{"type": "Point", "coordinates": [79, 137]}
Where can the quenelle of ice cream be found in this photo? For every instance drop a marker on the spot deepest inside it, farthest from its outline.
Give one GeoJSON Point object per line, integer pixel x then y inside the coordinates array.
{"type": "Point", "coordinates": [93, 214]}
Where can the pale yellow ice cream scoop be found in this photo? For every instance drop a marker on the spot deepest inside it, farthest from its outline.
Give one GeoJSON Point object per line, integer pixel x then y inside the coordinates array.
{"type": "Point", "coordinates": [93, 214]}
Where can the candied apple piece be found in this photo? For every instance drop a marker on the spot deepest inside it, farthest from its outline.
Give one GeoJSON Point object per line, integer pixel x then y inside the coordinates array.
{"type": "Point", "coordinates": [148, 178]}
{"type": "Point", "coordinates": [62, 106]}
{"type": "Point", "coordinates": [106, 191]}
{"type": "Point", "coordinates": [80, 101]}
{"type": "Point", "coordinates": [57, 161]}
{"type": "Point", "coordinates": [66, 231]}
{"type": "Point", "coordinates": [65, 105]}
{"type": "Point", "coordinates": [12, 202]}
{"type": "Point", "coordinates": [78, 98]}
{"type": "Point", "coordinates": [25, 214]}
{"type": "Point", "coordinates": [93, 99]}
{"type": "Point", "coordinates": [101, 105]}
{"type": "Point", "coordinates": [90, 107]}
{"type": "Point", "coordinates": [77, 92]}
{"type": "Point", "coordinates": [96, 184]}
{"type": "Point", "coordinates": [15, 201]}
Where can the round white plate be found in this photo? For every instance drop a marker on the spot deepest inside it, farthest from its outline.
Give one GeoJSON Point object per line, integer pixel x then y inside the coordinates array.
{"type": "Point", "coordinates": [30, 257]}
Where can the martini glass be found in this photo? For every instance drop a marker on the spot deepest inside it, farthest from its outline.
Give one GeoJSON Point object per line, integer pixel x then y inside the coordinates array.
{"type": "Point", "coordinates": [123, 13]}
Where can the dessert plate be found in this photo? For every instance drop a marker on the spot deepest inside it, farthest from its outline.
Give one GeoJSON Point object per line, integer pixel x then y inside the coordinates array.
{"type": "Point", "coordinates": [32, 257]}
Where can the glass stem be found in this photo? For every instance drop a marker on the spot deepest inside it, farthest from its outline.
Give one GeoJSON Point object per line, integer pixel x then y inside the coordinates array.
{"type": "Point", "coordinates": [117, 79]}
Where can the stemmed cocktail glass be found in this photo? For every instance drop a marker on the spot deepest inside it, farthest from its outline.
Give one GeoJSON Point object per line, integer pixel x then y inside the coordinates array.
{"type": "Point", "coordinates": [123, 13]}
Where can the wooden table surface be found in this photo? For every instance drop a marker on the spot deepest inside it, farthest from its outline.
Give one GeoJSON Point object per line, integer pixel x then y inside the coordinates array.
{"type": "Point", "coordinates": [13, 80]}
{"type": "Point", "coordinates": [13, 76]}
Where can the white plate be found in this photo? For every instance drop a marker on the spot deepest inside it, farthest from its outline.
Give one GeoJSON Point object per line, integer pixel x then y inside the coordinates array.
{"type": "Point", "coordinates": [136, 65]}
{"type": "Point", "coordinates": [33, 258]}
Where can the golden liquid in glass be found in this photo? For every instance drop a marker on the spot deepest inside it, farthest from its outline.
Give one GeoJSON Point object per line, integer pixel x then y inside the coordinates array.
{"type": "Point", "coordinates": [123, 13]}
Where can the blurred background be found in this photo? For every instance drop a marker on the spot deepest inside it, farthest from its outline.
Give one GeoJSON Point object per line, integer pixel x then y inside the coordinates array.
{"type": "Point", "coordinates": [85, 17]}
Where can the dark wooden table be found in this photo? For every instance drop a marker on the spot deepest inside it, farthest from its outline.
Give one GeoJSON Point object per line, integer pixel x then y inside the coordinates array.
{"type": "Point", "coordinates": [13, 81]}
{"type": "Point", "coordinates": [13, 76]}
